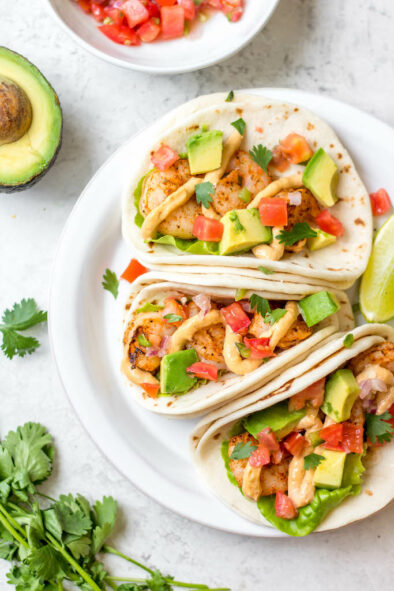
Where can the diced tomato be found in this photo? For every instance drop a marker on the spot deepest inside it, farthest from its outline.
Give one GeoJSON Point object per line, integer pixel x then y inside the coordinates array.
{"type": "Point", "coordinates": [294, 443]}
{"type": "Point", "coordinates": [85, 5]}
{"type": "Point", "coordinates": [214, 3]}
{"type": "Point", "coordinates": [260, 457]}
{"type": "Point", "coordinates": [380, 202]}
{"type": "Point", "coordinates": [135, 12]}
{"type": "Point", "coordinates": [235, 15]}
{"type": "Point", "coordinates": [148, 31]}
{"type": "Point", "coordinates": [189, 7]}
{"type": "Point", "coordinates": [164, 157]}
{"type": "Point", "coordinates": [268, 439]}
{"type": "Point", "coordinates": [97, 11]}
{"type": "Point", "coordinates": [333, 434]}
{"type": "Point", "coordinates": [281, 454]}
{"type": "Point", "coordinates": [259, 348]}
{"type": "Point", "coordinates": [120, 34]}
{"type": "Point", "coordinates": [313, 394]}
{"type": "Point", "coordinates": [391, 411]}
{"type": "Point", "coordinates": [279, 160]}
{"type": "Point", "coordinates": [115, 14]}
{"type": "Point", "coordinates": [329, 223]}
{"type": "Point", "coordinates": [236, 318]}
{"type": "Point", "coordinates": [153, 9]}
{"type": "Point", "coordinates": [172, 306]}
{"type": "Point", "coordinates": [296, 148]}
{"type": "Point", "coordinates": [273, 211]}
{"type": "Point", "coordinates": [151, 389]}
{"type": "Point", "coordinates": [166, 2]}
{"type": "Point", "coordinates": [172, 22]}
{"type": "Point", "coordinates": [208, 229]}
{"type": "Point", "coordinates": [206, 371]}
{"type": "Point", "coordinates": [353, 438]}
{"type": "Point", "coordinates": [133, 270]}
{"type": "Point", "coordinates": [284, 507]}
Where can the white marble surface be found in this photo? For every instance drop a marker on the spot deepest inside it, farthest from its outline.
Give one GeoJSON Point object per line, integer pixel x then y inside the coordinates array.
{"type": "Point", "coordinates": [341, 49]}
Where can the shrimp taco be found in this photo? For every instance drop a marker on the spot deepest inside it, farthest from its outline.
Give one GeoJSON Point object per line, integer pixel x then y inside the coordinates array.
{"type": "Point", "coordinates": [250, 184]}
{"type": "Point", "coordinates": [189, 347]}
{"type": "Point", "coordinates": [297, 453]}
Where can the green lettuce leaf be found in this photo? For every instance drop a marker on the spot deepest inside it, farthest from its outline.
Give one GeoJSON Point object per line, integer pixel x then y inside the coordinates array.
{"type": "Point", "coordinates": [226, 459]}
{"type": "Point", "coordinates": [190, 246]}
{"type": "Point", "coordinates": [139, 218]}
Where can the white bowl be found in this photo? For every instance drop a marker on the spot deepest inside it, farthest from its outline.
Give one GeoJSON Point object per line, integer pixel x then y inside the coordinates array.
{"type": "Point", "coordinates": [208, 43]}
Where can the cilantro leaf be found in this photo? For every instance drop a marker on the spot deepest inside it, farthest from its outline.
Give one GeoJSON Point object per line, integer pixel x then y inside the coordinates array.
{"type": "Point", "coordinates": [204, 193]}
{"type": "Point", "coordinates": [312, 461]}
{"type": "Point", "coordinates": [260, 304]}
{"type": "Point", "coordinates": [46, 562]}
{"type": "Point", "coordinates": [239, 125]}
{"type": "Point", "coordinates": [173, 318]}
{"type": "Point", "coordinates": [104, 519]}
{"type": "Point", "coordinates": [242, 451]}
{"type": "Point", "coordinates": [261, 155]}
{"type": "Point", "coordinates": [298, 232]}
{"type": "Point", "coordinates": [17, 344]}
{"type": "Point", "coordinates": [243, 350]}
{"type": "Point", "coordinates": [266, 271]}
{"type": "Point", "coordinates": [23, 315]}
{"type": "Point", "coordinates": [378, 429]}
{"type": "Point", "coordinates": [233, 217]}
{"type": "Point", "coordinates": [274, 316]}
{"type": "Point", "coordinates": [230, 96]}
{"type": "Point", "coordinates": [110, 282]}
{"type": "Point", "coordinates": [348, 341]}
{"type": "Point", "coordinates": [71, 516]}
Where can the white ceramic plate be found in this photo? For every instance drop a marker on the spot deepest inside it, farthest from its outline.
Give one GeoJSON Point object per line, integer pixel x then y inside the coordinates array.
{"type": "Point", "coordinates": [152, 451]}
{"type": "Point", "coordinates": [207, 44]}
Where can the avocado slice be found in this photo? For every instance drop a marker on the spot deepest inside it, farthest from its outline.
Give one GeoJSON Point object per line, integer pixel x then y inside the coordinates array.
{"type": "Point", "coordinates": [321, 178]}
{"type": "Point", "coordinates": [173, 376]}
{"type": "Point", "coordinates": [277, 417]}
{"type": "Point", "coordinates": [32, 128]}
{"type": "Point", "coordinates": [204, 151]}
{"type": "Point", "coordinates": [242, 230]}
{"type": "Point", "coordinates": [329, 472]}
{"type": "Point", "coordinates": [340, 394]}
{"type": "Point", "coordinates": [322, 240]}
{"type": "Point", "coordinates": [318, 306]}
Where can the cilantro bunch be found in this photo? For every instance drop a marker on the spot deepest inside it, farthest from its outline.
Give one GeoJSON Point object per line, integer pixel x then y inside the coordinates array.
{"type": "Point", "coordinates": [22, 316]}
{"type": "Point", "coordinates": [59, 542]}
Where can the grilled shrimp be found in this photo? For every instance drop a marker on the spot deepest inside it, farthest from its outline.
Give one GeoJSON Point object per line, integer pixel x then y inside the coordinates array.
{"type": "Point", "coordinates": [305, 212]}
{"type": "Point", "coordinates": [357, 416]}
{"type": "Point", "coordinates": [253, 176]}
{"type": "Point", "coordinates": [237, 467]}
{"type": "Point", "coordinates": [226, 196]}
{"type": "Point", "coordinates": [297, 333]}
{"type": "Point", "coordinates": [381, 354]}
{"type": "Point", "coordinates": [160, 184]}
{"type": "Point", "coordinates": [154, 328]}
{"type": "Point", "coordinates": [209, 343]}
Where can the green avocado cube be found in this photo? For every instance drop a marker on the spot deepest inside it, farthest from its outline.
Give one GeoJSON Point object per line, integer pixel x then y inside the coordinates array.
{"type": "Point", "coordinates": [340, 394]}
{"type": "Point", "coordinates": [322, 240]}
{"type": "Point", "coordinates": [329, 472]}
{"type": "Point", "coordinates": [174, 378]}
{"type": "Point", "coordinates": [242, 230]}
{"type": "Point", "coordinates": [318, 306]}
{"type": "Point", "coordinates": [321, 178]}
{"type": "Point", "coordinates": [204, 151]}
{"type": "Point", "coordinates": [278, 417]}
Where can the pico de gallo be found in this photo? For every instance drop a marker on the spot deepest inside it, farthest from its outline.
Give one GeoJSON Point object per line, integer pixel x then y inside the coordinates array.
{"type": "Point", "coordinates": [132, 22]}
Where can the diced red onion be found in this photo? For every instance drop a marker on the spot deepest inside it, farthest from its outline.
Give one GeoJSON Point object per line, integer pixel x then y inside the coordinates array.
{"type": "Point", "coordinates": [203, 301]}
{"type": "Point", "coordinates": [245, 306]}
{"type": "Point", "coordinates": [372, 385]}
{"type": "Point", "coordinates": [152, 351]}
{"type": "Point", "coordinates": [295, 198]}
{"type": "Point", "coordinates": [159, 351]}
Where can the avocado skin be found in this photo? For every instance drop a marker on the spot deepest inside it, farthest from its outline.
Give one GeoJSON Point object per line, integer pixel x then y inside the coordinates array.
{"type": "Point", "coordinates": [35, 178]}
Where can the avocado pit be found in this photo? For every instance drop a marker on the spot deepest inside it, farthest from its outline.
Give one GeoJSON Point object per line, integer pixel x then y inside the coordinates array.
{"type": "Point", "coordinates": [15, 111]}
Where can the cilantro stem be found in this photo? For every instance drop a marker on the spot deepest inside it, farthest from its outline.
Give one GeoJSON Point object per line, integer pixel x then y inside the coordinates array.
{"type": "Point", "coordinates": [73, 563]}
{"type": "Point", "coordinates": [110, 550]}
{"type": "Point", "coordinates": [59, 586]}
{"type": "Point", "coordinates": [170, 582]}
{"type": "Point", "coordinates": [46, 497]}
{"type": "Point", "coordinates": [12, 531]}
{"type": "Point", "coordinates": [14, 523]}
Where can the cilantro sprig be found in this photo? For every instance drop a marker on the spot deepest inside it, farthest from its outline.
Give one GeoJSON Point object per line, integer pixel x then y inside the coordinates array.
{"type": "Point", "coordinates": [312, 461]}
{"type": "Point", "coordinates": [242, 451]}
{"type": "Point", "coordinates": [298, 232]}
{"type": "Point", "coordinates": [111, 282]}
{"type": "Point", "coordinates": [204, 193]}
{"type": "Point", "coordinates": [20, 317]}
{"type": "Point", "coordinates": [239, 125]}
{"type": "Point", "coordinates": [55, 546]}
{"type": "Point", "coordinates": [262, 307]}
{"type": "Point", "coordinates": [348, 340]}
{"type": "Point", "coordinates": [261, 155]}
{"type": "Point", "coordinates": [378, 429]}
{"type": "Point", "coordinates": [230, 97]}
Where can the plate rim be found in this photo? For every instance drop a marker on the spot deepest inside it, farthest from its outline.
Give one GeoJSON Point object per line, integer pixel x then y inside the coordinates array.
{"type": "Point", "coordinates": [275, 93]}
{"type": "Point", "coordinates": [152, 69]}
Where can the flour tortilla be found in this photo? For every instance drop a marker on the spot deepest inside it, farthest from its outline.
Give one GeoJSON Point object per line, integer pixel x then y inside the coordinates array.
{"type": "Point", "coordinates": [151, 286]}
{"type": "Point", "coordinates": [206, 439]}
{"type": "Point", "coordinates": [340, 263]}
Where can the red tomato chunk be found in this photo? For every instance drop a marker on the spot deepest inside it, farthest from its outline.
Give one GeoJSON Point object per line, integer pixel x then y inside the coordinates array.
{"type": "Point", "coordinates": [294, 443]}
{"type": "Point", "coordinates": [206, 371]}
{"type": "Point", "coordinates": [148, 31]}
{"type": "Point", "coordinates": [236, 318]}
{"type": "Point", "coordinates": [164, 157]}
{"type": "Point", "coordinates": [273, 211]}
{"type": "Point", "coordinates": [135, 12]}
{"type": "Point", "coordinates": [260, 457]}
{"type": "Point", "coordinates": [207, 229]}
{"type": "Point", "coordinates": [284, 507]}
{"type": "Point", "coordinates": [330, 224]}
{"type": "Point", "coordinates": [268, 439]}
{"type": "Point", "coordinates": [380, 202]}
{"type": "Point", "coordinates": [172, 22]}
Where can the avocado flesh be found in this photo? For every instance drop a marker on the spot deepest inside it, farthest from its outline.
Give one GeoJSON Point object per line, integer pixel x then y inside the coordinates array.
{"type": "Point", "coordinates": [22, 162]}
{"type": "Point", "coordinates": [254, 233]}
{"type": "Point", "coordinates": [278, 418]}
{"type": "Point", "coordinates": [322, 240]}
{"type": "Point", "coordinates": [341, 392]}
{"type": "Point", "coordinates": [204, 151]}
{"type": "Point", "coordinates": [329, 472]}
{"type": "Point", "coordinates": [318, 306]}
{"type": "Point", "coordinates": [173, 376]}
{"type": "Point", "coordinates": [321, 178]}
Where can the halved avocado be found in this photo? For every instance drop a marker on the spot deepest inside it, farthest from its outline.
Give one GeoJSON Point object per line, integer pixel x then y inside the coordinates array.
{"type": "Point", "coordinates": [30, 123]}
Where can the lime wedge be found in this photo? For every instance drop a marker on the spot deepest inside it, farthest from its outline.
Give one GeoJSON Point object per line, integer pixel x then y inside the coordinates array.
{"type": "Point", "coordinates": [377, 283]}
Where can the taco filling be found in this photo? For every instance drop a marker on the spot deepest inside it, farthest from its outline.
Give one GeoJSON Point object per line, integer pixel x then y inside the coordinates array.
{"type": "Point", "coordinates": [173, 345]}
{"type": "Point", "coordinates": [301, 457]}
{"type": "Point", "coordinates": [216, 198]}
